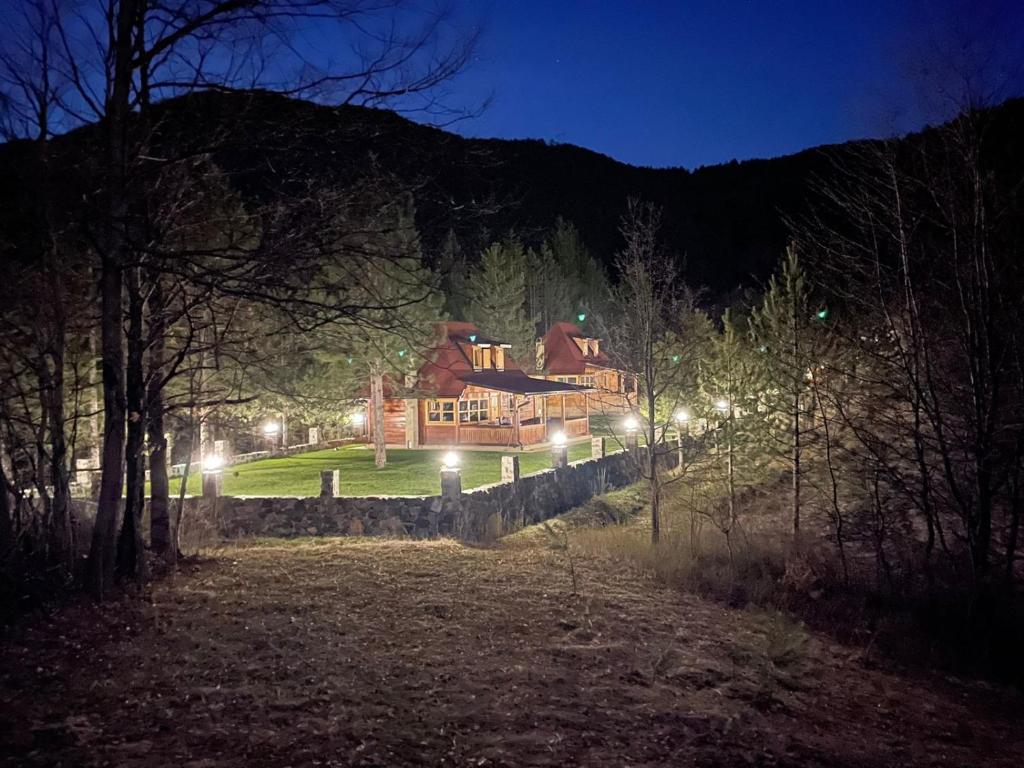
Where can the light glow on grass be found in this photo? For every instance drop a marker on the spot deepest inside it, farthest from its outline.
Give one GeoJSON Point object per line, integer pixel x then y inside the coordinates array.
{"type": "Point", "coordinates": [408, 472]}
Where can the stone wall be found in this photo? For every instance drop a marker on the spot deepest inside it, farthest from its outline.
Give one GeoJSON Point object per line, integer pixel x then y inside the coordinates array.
{"type": "Point", "coordinates": [476, 515]}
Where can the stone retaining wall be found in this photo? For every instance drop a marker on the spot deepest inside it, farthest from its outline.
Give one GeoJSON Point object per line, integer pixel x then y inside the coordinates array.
{"type": "Point", "coordinates": [476, 515]}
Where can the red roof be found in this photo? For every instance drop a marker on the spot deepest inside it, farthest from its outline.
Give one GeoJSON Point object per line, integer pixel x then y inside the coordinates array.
{"type": "Point", "coordinates": [563, 357]}
{"type": "Point", "coordinates": [450, 369]}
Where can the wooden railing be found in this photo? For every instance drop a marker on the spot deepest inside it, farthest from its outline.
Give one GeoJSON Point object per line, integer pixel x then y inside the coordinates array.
{"type": "Point", "coordinates": [485, 434]}
{"type": "Point", "coordinates": [531, 433]}
{"type": "Point", "coordinates": [576, 427]}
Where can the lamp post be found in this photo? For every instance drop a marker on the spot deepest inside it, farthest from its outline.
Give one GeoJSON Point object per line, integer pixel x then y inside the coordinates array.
{"type": "Point", "coordinates": [272, 432]}
{"type": "Point", "coordinates": [682, 419]}
{"type": "Point", "coordinates": [213, 476]}
{"type": "Point", "coordinates": [559, 451]}
{"type": "Point", "coordinates": [451, 479]}
{"type": "Point", "coordinates": [631, 425]}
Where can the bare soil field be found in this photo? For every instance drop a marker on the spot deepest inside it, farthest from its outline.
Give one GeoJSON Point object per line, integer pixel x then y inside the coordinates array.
{"type": "Point", "coordinates": [335, 652]}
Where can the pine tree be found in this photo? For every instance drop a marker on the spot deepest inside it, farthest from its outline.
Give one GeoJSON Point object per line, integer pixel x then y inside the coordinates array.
{"type": "Point", "coordinates": [452, 271]}
{"type": "Point", "coordinates": [550, 296]}
{"type": "Point", "coordinates": [729, 384]}
{"type": "Point", "coordinates": [497, 298]}
{"type": "Point", "coordinates": [585, 281]}
{"type": "Point", "coordinates": [786, 331]}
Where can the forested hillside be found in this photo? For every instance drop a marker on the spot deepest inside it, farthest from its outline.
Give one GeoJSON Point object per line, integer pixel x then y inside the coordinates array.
{"type": "Point", "coordinates": [727, 223]}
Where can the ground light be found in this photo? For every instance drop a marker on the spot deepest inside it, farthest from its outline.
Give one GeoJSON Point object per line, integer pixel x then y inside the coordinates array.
{"type": "Point", "coordinates": [558, 438]}
{"type": "Point", "coordinates": [271, 428]}
{"type": "Point", "coordinates": [450, 462]}
{"type": "Point", "coordinates": [631, 424]}
{"type": "Point", "coordinates": [682, 415]}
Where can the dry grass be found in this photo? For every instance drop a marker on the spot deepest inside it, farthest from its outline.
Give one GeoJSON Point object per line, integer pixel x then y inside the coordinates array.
{"type": "Point", "coordinates": [389, 653]}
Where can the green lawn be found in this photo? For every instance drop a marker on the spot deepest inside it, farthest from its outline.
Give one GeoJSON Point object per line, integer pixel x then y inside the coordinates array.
{"type": "Point", "coordinates": [407, 472]}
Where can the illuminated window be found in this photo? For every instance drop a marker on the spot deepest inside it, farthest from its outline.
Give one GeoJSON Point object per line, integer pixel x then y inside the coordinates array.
{"type": "Point", "coordinates": [440, 411]}
{"type": "Point", "coordinates": [474, 410]}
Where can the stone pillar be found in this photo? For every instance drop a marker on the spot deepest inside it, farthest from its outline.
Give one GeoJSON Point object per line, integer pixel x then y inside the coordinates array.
{"type": "Point", "coordinates": [597, 448]}
{"type": "Point", "coordinates": [314, 436]}
{"type": "Point", "coordinates": [559, 456]}
{"type": "Point", "coordinates": [213, 482]}
{"type": "Point", "coordinates": [451, 484]}
{"type": "Point", "coordinates": [330, 483]}
{"type": "Point", "coordinates": [509, 469]}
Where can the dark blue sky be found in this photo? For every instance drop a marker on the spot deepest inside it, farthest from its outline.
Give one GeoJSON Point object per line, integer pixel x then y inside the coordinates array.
{"type": "Point", "coordinates": [695, 83]}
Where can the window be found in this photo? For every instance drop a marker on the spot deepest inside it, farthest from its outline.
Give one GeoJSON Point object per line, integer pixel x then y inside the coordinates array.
{"type": "Point", "coordinates": [440, 411]}
{"type": "Point", "coordinates": [481, 357]}
{"type": "Point", "coordinates": [587, 381]}
{"type": "Point", "coordinates": [474, 410]}
{"type": "Point", "coordinates": [566, 379]}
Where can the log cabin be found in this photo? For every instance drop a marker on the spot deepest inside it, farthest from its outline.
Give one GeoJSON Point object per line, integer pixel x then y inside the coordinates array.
{"type": "Point", "coordinates": [569, 356]}
{"type": "Point", "coordinates": [471, 392]}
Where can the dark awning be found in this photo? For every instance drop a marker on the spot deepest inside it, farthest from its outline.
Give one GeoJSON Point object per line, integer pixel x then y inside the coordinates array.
{"type": "Point", "coordinates": [519, 383]}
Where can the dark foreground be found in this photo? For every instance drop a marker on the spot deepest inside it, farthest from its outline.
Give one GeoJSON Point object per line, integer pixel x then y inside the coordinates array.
{"type": "Point", "coordinates": [336, 653]}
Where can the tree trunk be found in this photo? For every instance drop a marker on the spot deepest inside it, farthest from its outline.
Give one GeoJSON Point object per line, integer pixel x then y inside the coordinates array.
{"type": "Point", "coordinates": [6, 512]}
{"type": "Point", "coordinates": [161, 539]}
{"type": "Point", "coordinates": [380, 454]}
{"type": "Point", "coordinates": [131, 558]}
{"type": "Point", "coordinates": [796, 467]}
{"type": "Point", "coordinates": [62, 539]}
{"type": "Point", "coordinates": [104, 536]}
{"type": "Point", "coordinates": [100, 575]}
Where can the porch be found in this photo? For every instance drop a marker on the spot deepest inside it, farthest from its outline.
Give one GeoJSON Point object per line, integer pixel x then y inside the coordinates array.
{"type": "Point", "coordinates": [501, 419]}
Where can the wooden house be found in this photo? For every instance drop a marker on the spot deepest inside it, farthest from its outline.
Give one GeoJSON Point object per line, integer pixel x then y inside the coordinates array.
{"type": "Point", "coordinates": [472, 392]}
{"type": "Point", "coordinates": [569, 356]}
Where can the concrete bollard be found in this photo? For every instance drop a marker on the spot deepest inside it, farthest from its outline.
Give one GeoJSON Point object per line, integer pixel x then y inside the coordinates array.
{"type": "Point", "coordinates": [451, 484]}
{"type": "Point", "coordinates": [597, 448]}
{"type": "Point", "coordinates": [330, 483]}
{"type": "Point", "coordinates": [509, 469]}
{"type": "Point", "coordinates": [213, 483]}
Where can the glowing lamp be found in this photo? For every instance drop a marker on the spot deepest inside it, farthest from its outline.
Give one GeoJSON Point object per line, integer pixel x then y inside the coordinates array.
{"type": "Point", "coordinates": [822, 313]}
{"type": "Point", "coordinates": [450, 461]}
{"type": "Point", "coordinates": [271, 428]}
{"type": "Point", "coordinates": [472, 337]}
{"type": "Point", "coordinates": [213, 463]}
{"type": "Point", "coordinates": [682, 415]}
{"type": "Point", "coordinates": [358, 418]}
{"type": "Point", "coordinates": [631, 424]}
{"type": "Point", "coordinates": [558, 439]}
{"type": "Point", "coordinates": [581, 317]}
{"type": "Point", "coordinates": [722, 405]}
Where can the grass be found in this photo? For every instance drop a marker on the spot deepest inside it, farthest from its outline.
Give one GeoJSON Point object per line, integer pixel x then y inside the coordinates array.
{"type": "Point", "coordinates": [407, 472]}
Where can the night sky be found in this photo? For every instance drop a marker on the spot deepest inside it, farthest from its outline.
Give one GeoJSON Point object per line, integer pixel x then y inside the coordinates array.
{"type": "Point", "coordinates": [697, 83]}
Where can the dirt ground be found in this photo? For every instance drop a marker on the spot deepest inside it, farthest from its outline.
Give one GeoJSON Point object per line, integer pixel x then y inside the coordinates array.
{"type": "Point", "coordinates": [385, 653]}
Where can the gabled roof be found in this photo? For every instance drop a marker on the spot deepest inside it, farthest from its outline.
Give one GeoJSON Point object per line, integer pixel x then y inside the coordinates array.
{"type": "Point", "coordinates": [450, 368]}
{"type": "Point", "coordinates": [563, 357]}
